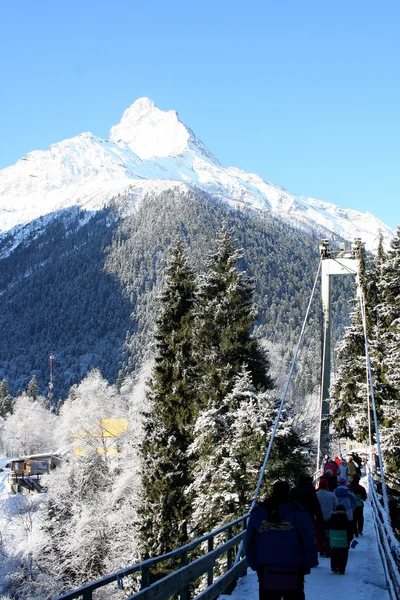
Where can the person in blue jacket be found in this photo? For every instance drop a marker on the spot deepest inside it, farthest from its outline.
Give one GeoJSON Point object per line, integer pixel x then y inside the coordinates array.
{"type": "Point", "coordinates": [280, 545]}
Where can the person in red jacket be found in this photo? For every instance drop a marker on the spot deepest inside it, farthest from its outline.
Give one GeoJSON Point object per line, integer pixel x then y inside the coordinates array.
{"type": "Point", "coordinates": [332, 466]}
{"type": "Point", "coordinates": [361, 496]}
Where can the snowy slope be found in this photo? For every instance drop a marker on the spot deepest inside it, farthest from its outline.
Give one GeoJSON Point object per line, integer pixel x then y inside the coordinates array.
{"type": "Point", "coordinates": [150, 150]}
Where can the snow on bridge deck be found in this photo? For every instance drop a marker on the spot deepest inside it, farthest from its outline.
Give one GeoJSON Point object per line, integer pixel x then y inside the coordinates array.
{"type": "Point", "coordinates": [364, 577]}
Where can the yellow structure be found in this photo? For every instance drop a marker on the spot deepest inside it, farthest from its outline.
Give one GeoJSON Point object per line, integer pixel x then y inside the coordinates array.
{"type": "Point", "coordinates": [106, 437]}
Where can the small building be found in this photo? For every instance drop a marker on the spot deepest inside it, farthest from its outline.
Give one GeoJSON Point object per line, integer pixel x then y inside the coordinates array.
{"type": "Point", "coordinates": [24, 476]}
{"type": "Point", "coordinates": [106, 436]}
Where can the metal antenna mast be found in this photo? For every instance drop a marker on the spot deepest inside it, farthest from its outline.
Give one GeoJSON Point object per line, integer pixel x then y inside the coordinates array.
{"type": "Point", "coordinates": [334, 262]}
{"type": "Point", "coordinates": [51, 382]}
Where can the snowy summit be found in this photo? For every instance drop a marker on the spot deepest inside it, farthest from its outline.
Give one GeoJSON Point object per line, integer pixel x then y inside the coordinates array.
{"type": "Point", "coordinates": [151, 150]}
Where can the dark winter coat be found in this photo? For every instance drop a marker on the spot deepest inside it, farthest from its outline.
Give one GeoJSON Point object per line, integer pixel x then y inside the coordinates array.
{"type": "Point", "coordinates": [307, 497]}
{"type": "Point", "coordinates": [280, 534]}
{"type": "Point", "coordinates": [340, 529]}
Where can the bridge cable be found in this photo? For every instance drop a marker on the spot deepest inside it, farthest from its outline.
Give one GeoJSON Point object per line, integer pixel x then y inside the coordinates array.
{"type": "Point", "coordinates": [278, 416]}
{"type": "Point", "coordinates": [321, 405]}
{"type": "Point", "coordinates": [372, 395]}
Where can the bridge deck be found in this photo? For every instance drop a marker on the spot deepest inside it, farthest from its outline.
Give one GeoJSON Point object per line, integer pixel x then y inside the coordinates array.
{"type": "Point", "coordinates": [364, 577]}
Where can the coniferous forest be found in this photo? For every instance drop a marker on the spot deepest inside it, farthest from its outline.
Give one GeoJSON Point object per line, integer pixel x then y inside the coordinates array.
{"type": "Point", "coordinates": [85, 287]}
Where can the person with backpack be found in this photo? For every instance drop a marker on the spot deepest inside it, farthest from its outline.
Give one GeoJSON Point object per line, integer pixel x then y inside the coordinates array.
{"type": "Point", "coordinates": [280, 545]}
{"type": "Point", "coordinates": [360, 495]}
{"type": "Point", "coordinates": [340, 535]}
{"type": "Point", "coordinates": [346, 497]}
{"type": "Point", "coordinates": [328, 502]}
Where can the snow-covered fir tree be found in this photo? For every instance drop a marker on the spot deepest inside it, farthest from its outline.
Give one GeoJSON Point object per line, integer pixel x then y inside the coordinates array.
{"type": "Point", "coordinates": [6, 400]}
{"type": "Point", "coordinates": [231, 438]}
{"type": "Point", "coordinates": [349, 390]}
{"type": "Point", "coordinates": [237, 408]}
{"type": "Point", "coordinates": [389, 317]}
{"type": "Point", "coordinates": [168, 427]}
{"type": "Point", "coordinates": [225, 316]}
{"type": "Point", "coordinates": [33, 389]}
{"type": "Point", "coordinates": [348, 393]}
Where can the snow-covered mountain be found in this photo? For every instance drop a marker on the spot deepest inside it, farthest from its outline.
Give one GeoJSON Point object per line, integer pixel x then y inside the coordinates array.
{"type": "Point", "coordinates": [151, 150]}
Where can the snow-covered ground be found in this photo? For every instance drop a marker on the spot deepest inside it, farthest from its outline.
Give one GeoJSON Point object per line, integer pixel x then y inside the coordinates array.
{"type": "Point", "coordinates": [364, 577]}
{"type": "Point", "coordinates": [5, 489]}
{"type": "Point", "coordinates": [4, 486]}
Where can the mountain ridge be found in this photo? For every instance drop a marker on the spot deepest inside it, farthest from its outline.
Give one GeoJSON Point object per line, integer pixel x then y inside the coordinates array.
{"type": "Point", "coordinates": [150, 150]}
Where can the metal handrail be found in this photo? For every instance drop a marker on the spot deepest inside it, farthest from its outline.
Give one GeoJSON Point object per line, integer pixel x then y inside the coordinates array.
{"type": "Point", "coordinates": [388, 542]}
{"type": "Point", "coordinates": [179, 580]}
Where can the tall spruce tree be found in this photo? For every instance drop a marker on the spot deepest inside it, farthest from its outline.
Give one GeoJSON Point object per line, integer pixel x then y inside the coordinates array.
{"type": "Point", "coordinates": [225, 317]}
{"type": "Point", "coordinates": [236, 406]}
{"type": "Point", "coordinates": [33, 388]}
{"type": "Point", "coordinates": [389, 319]}
{"type": "Point", "coordinates": [376, 334]}
{"type": "Point", "coordinates": [165, 508]}
{"type": "Point", "coordinates": [349, 391]}
{"type": "Point", "coordinates": [6, 401]}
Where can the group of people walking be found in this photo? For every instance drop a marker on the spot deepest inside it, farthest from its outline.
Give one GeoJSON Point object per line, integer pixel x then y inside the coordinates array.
{"type": "Point", "coordinates": [287, 531]}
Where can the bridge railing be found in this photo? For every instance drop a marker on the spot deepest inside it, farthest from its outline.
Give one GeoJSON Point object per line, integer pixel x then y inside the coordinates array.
{"type": "Point", "coordinates": [190, 570]}
{"type": "Point", "coordinates": [388, 543]}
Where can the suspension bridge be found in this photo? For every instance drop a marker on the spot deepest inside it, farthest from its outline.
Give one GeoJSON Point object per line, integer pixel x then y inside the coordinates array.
{"type": "Point", "coordinates": [373, 571]}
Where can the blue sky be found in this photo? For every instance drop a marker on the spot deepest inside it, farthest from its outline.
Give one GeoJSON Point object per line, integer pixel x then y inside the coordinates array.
{"type": "Point", "coordinates": [304, 93]}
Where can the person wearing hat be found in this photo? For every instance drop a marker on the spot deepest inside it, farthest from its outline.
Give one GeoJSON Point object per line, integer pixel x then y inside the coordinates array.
{"type": "Point", "coordinates": [360, 494]}
{"type": "Point", "coordinates": [346, 497]}
{"type": "Point", "coordinates": [340, 535]}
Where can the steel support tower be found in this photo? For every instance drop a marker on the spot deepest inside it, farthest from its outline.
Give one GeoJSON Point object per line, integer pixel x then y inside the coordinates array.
{"type": "Point", "coordinates": [333, 262]}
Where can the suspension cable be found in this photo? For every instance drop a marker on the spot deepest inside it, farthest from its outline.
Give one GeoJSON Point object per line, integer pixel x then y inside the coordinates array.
{"type": "Point", "coordinates": [278, 416]}
{"type": "Point", "coordinates": [372, 395]}
{"type": "Point", "coordinates": [321, 405]}
{"type": "Point", "coordinates": [369, 416]}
